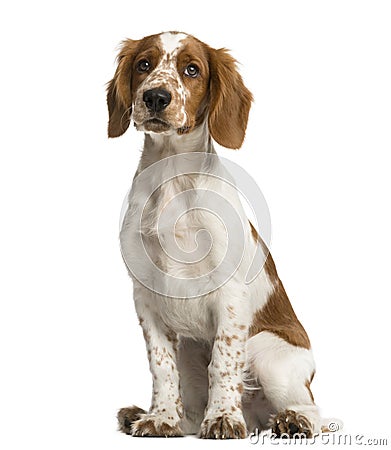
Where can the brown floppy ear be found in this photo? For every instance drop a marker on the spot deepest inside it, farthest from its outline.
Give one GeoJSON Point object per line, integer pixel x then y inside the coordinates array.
{"type": "Point", "coordinates": [230, 100]}
{"type": "Point", "coordinates": [119, 91]}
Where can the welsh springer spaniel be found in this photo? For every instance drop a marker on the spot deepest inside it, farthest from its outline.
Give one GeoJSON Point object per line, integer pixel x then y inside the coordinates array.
{"type": "Point", "coordinates": [227, 356]}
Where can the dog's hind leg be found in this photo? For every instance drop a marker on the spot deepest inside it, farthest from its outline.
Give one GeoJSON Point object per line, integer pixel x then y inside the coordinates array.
{"type": "Point", "coordinates": [284, 372]}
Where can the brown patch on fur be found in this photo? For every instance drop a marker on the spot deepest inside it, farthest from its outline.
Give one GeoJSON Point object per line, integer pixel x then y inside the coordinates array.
{"type": "Point", "coordinates": [277, 315]}
{"type": "Point", "coordinates": [126, 416]}
{"type": "Point", "coordinates": [230, 100]}
{"type": "Point", "coordinates": [223, 427]}
{"type": "Point", "coordinates": [194, 52]}
{"type": "Point", "coordinates": [231, 312]}
{"type": "Point", "coordinates": [308, 384]}
{"type": "Point", "coordinates": [227, 339]}
{"type": "Point", "coordinates": [290, 424]}
{"type": "Point", "coordinates": [173, 339]}
{"type": "Point", "coordinates": [119, 95]}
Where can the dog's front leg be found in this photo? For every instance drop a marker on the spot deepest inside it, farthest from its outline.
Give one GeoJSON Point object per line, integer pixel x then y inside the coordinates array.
{"type": "Point", "coordinates": [166, 408]}
{"type": "Point", "coordinates": [224, 417]}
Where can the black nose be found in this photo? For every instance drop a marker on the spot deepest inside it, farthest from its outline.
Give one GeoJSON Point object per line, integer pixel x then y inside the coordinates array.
{"type": "Point", "coordinates": [156, 99]}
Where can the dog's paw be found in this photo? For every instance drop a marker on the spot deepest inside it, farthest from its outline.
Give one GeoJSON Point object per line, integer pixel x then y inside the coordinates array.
{"type": "Point", "coordinates": [126, 416]}
{"type": "Point", "coordinates": [290, 424]}
{"type": "Point", "coordinates": [225, 426]}
{"type": "Point", "coordinates": [155, 425]}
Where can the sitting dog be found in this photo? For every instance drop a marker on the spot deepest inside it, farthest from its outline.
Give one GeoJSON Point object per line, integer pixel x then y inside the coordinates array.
{"type": "Point", "coordinates": [226, 356]}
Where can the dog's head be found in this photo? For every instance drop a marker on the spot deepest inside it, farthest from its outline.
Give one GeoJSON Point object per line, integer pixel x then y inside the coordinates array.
{"type": "Point", "coordinates": [171, 83]}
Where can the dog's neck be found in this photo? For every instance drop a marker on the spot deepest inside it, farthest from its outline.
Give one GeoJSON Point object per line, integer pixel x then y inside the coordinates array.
{"type": "Point", "coordinates": [160, 146]}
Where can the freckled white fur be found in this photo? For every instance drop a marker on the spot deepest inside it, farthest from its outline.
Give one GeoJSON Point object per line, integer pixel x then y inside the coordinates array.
{"type": "Point", "coordinates": [165, 75]}
{"type": "Point", "coordinates": [162, 361]}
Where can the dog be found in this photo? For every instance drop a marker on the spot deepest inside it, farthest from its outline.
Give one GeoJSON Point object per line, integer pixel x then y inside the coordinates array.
{"type": "Point", "coordinates": [226, 356]}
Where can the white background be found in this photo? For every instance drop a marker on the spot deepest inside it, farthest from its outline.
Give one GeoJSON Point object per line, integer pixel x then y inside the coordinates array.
{"type": "Point", "coordinates": [318, 145]}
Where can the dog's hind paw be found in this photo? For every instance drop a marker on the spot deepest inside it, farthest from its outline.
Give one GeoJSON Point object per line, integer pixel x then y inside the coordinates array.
{"type": "Point", "coordinates": [290, 424]}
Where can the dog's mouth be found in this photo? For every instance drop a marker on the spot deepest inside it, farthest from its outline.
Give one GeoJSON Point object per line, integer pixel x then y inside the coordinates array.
{"type": "Point", "coordinates": [156, 125]}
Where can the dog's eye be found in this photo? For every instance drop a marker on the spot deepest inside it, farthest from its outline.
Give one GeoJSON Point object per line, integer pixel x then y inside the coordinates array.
{"type": "Point", "coordinates": [192, 71]}
{"type": "Point", "coordinates": [143, 66]}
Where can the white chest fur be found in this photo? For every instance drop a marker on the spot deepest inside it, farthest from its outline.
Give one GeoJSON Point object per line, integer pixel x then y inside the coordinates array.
{"type": "Point", "coordinates": [185, 238]}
